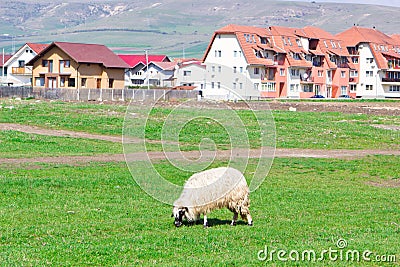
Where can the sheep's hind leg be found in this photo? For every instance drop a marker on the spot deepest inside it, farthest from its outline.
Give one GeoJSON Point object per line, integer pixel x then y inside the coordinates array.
{"type": "Point", "coordinates": [205, 223]}
{"type": "Point", "coordinates": [235, 217]}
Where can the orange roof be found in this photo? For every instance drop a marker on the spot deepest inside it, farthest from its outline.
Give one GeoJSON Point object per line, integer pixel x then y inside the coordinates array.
{"type": "Point", "coordinates": [37, 47]}
{"type": "Point", "coordinates": [356, 35]}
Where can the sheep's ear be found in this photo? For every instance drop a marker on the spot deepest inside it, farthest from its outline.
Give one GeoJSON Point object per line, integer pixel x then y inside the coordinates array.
{"type": "Point", "coordinates": [172, 215]}
{"type": "Point", "coordinates": [186, 209]}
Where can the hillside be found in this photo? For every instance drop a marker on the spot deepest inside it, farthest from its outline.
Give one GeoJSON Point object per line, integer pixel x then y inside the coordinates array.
{"type": "Point", "coordinates": [171, 26]}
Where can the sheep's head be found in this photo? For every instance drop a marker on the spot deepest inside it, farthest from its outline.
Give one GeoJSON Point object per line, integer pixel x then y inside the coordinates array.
{"type": "Point", "coordinates": [179, 213]}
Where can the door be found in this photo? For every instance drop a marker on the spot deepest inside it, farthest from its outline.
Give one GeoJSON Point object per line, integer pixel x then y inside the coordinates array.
{"type": "Point", "coordinates": [98, 83]}
{"type": "Point", "coordinates": [51, 81]}
{"type": "Point", "coordinates": [281, 85]}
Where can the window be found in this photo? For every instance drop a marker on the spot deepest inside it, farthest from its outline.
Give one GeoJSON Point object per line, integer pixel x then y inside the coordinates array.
{"type": "Point", "coordinates": [320, 73]}
{"type": "Point", "coordinates": [234, 69]}
{"type": "Point", "coordinates": [353, 87]}
{"type": "Point", "coordinates": [369, 73]}
{"type": "Point", "coordinates": [111, 83]}
{"type": "Point", "coordinates": [240, 85]}
{"type": "Point", "coordinates": [343, 74]}
{"type": "Point", "coordinates": [394, 88]}
{"type": "Point", "coordinates": [45, 63]}
{"type": "Point", "coordinates": [187, 73]}
{"type": "Point", "coordinates": [256, 86]}
{"type": "Point", "coordinates": [219, 53]}
{"type": "Point", "coordinates": [370, 60]}
{"type": "Point", "coordinates": [219, 68]}
{"type": "Point", "coordinates": [235, 53]}
{"type": "Point", "coordinates": [234, 86]}
{"type": "Point", "coordinates": [71, 82]}
{"type": "Point", "coordinates": [326, 45]}
{"type": "Point", "coordinates": [21, 63]}
{"type": "Point", "coordinates": [256, 71]}
{"type": "Point", "coordinates": [333, 44]}
{"type": "Point", "coordinates": [218, 85]}
{"type": "Point", "coordinates": [284, 40]}
{"type": "Point", "coordinates": [353, 73]}
{"type": "Point", "coordinates": [369, 87]}
{"type": "Point", "coordinates": [355, 60]}
{"type": "Point", "coordinates": [39, 81]}
{"type": "Point", "coordinates": [241, 69]}
{"type": "Point", "coordinates": [213, 68]}
{"type": "Point", "coordinates": [62, 81]}
{"type": "Point", "coordinates": [67, 63]}
{"type": "Point", "coordinates": [83, 82]}
{"type": "Point", "coordinates": [343, 90]}
{"type": "Point", "coordinates": [292, 88]}
{"type": "Point", "coordinates": [298, 42]}
{"type": "Point", "coordinates": [295, 72]}
{"type": "Point", "coordinates": [296, 56]}
{"type": "Point", "coordinates": [212, 85]}
{"type": "Point", "coordinates": [290, 43]}
{"type": "Point", "coordinates": [282, 72]}
{"type": "Point", "coordinates": [268, 87]}
{"type": "Point", "coordinates": [308, 88]}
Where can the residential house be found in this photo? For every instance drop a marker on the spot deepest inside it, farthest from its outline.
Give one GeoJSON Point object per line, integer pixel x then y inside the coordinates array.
{"type": "Point", "coordinates": [189, 72]}
{"type": "Point", "coordinates": [152, 70]}
{"type": "Point", "coordinates": [76, 65]}
{"type": "Point", "coordinates": [3, 70]}
{"type": "Point", "coordinates": [18, 74]}
{"type": "Point", "coordinates": [377, 56]}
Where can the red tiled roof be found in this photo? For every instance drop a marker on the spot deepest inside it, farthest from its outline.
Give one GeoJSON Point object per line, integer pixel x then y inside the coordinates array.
{"type": "Point", "coordinates": [356, 35]}
{"type": "Point", "coordinates": [165, 65]}
{"type": "Point", "coordinates": [6, 58]}
{"type": "Point", "coordinates": [134, 60]}
{"type": "Point", "coordinates": [37, 47]}
{"type": "Point", "coordinates": [86, 53]}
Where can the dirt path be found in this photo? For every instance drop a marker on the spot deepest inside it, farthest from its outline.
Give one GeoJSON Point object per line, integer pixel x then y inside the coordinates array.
{"type": "Point", "coordinates": [302, 153]}
{"type": "Point", "coordinates": [140, 156]}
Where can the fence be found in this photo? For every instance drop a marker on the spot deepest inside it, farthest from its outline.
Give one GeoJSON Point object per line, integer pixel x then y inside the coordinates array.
{"type": "Point", "coordinates": [87, 94]}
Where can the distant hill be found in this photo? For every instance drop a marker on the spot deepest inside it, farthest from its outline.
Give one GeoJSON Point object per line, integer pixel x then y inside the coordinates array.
{"type": "Point", "coordinates": [176, 27]}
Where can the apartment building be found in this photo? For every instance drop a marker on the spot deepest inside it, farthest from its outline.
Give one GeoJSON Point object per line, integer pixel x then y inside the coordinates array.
{"type": "Point", "coordinates": [378, 60]}
{"type": "Point", "coordinates": [289, 62]}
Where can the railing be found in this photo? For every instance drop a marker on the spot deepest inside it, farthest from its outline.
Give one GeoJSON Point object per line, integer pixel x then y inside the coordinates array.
{"type": "Point", "coordinates": [21, 70]}
{"type": "Point", "coordinates": [391, 80]}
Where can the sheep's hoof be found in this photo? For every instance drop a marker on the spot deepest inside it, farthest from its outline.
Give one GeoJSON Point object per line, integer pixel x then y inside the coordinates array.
{"type": "Point", "coordinates": [250, 224]}
{"type": "Point", "coordinates": [233, 223]}
{"type": "Point", "coordinates": [205, 225]}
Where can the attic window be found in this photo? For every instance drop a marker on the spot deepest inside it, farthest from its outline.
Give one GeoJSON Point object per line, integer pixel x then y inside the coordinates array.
{"type": "Point", "coordinates": [284, 41]}
{"type": "Point", "coordinates": [339, 45]}
{"type": "Point", "coordinates": [290, 43]}
{"type": "Point", "coordinates": [333, 44]}
{"type": "Point", "coordinates": [298, 42]}
{"type": "Point", "coordinates": [326, 45]}
{"type": "Point", "coordinates": [254, 39]}
{"type": "Point", "coordinates": [263, 40]}
{"type": "Point", "coordinates": [247, 37]}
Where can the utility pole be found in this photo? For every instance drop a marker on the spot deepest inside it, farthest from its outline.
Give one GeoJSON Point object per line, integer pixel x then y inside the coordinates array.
{"type": "Point", "coordinates": [147, 69]}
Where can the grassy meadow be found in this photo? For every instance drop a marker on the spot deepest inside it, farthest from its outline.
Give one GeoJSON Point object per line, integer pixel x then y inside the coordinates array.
{"type": "Point", "coordinates": [95, 214]}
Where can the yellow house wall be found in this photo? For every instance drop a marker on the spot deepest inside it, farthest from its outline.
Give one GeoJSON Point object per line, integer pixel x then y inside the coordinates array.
{"type": "Point", "coordinates": [92, 72]}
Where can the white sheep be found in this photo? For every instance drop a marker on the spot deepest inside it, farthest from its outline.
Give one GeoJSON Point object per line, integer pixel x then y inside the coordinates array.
{"type": "Point", "coordinates": [210, 190]}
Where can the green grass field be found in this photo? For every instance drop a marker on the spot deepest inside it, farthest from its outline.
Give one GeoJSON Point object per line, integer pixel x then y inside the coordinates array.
{"type": "Point", "coordinates": [96, 215]}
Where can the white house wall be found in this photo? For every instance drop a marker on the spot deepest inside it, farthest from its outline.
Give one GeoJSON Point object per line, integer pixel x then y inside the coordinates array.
{"type": "Point", "coordinates": [377, 92]}
{"type": "Point", "coordinates": [26, 54]}
{"type": "Point", "coordinates": [196, 78]}
{"type": "Point", "coordinates": [227, 71]}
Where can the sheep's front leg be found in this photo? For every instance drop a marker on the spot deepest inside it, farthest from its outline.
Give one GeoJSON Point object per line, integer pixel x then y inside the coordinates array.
{"type": "Point", "coordinates": [235, 217]}
{"type": "Point", "coordinates": [205, 223]}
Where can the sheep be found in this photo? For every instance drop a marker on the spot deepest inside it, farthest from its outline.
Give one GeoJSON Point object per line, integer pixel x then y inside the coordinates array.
{"type": "Point", "coordinates": [210, 190]}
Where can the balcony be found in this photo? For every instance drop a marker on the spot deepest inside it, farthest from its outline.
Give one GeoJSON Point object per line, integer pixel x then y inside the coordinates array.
{"type": "Point", "coordinates": [390, 80]}
{"type": "Point", "coordinates": [21, 71]}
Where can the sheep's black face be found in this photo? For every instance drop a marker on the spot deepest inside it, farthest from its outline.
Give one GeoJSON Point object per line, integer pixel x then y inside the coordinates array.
{"type": "Point", "coordinates": [178, 214]}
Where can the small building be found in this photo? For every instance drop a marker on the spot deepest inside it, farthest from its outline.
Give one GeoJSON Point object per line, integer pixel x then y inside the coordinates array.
{"type": "Point", "coordinates": [3, 70]}
{"type": "Point", "coordinates": [77, 65]}
{"type": "Point", "coordinates": [18, 74]}
{"type": "Point", "coordinates": [151, 70]}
